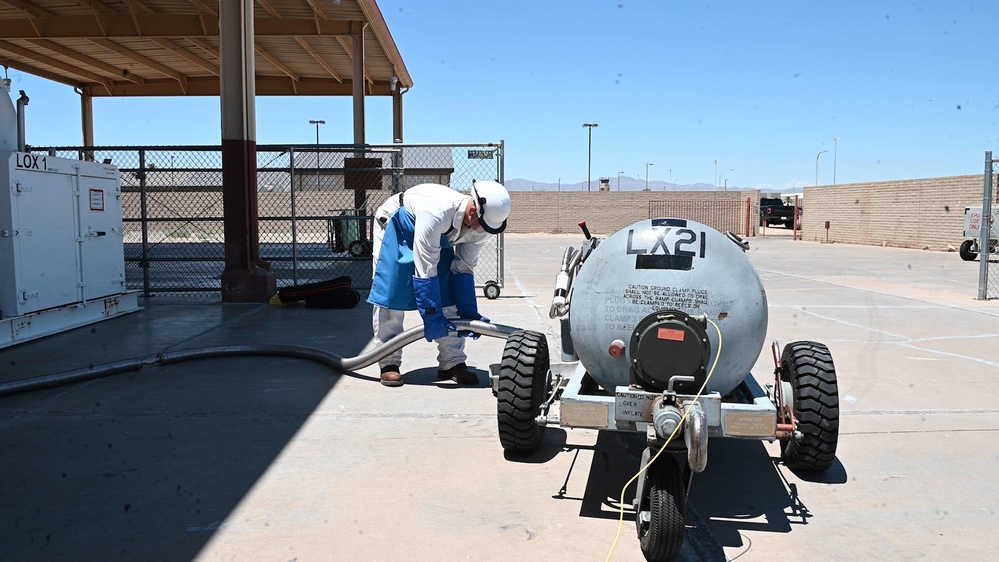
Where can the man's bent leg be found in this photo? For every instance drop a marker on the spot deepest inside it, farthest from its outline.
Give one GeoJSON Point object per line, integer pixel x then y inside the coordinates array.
{"type": "Point", "coordinates": [386, 324]}
{"type": "Point", "coordinates": [451, 356]}
{"type": "Point", "coordinates": [450, 350]}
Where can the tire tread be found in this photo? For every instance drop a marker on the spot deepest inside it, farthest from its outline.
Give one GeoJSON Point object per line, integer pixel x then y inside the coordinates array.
{"type": "Point", "coordinates": [522, 385]}
{"type": "Point", "coordinates": [809, 367]}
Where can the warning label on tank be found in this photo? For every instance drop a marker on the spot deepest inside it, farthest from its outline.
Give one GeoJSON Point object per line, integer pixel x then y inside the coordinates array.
{"type": "Point", "coordinates": [671, 334]}
{"type": "Point", "coordinates": [681, 298]}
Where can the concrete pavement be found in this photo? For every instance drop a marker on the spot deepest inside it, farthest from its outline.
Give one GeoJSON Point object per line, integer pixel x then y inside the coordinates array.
{"type": "Point", "coordinates": [280, 459]}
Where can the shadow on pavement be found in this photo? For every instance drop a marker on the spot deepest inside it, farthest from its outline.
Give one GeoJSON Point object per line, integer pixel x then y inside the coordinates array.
{"type": "Point", "coordinates": [745, 489]}
{"type": "Point", "coordinates": [148, 465]}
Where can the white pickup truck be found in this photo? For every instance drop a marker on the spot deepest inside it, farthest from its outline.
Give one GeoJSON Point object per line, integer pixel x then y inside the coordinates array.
{"type": "Point", "coordinates": [972, 232]}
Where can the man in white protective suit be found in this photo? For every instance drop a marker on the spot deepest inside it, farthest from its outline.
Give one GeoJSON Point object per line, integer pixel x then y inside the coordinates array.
{"type": "Point", "coordinates": [426, 245]}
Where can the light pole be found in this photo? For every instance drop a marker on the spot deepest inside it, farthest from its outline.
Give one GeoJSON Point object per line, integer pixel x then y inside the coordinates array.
{"type": "Point", "coordinates": [835, 145]}
{"type": "Point", "coordinates": [619, 180]}
{"type": "Point", "coordinates": [560, 185]}
{"type": "Point", "coordinates": [722, 174]}
{"type": "Point", "coordinates": [317, 123]}
{"type": "Point", "coordinates": [794, 182]}
{"type": "Point", "coordinates": [589, 152]}
{"type": "Point", "coordinates": [671, 180]}
{"type": "Point", "coordinates": [716, 173]}
{"type": "Point", "coordinates": [817, 165]}
{"type": "Point", "coordinates": [647, 164]}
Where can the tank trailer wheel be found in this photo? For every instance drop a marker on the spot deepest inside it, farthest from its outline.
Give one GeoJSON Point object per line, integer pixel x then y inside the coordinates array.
{"type": "Point", "coordinates": [808, 366]}
{"type": "Point", "coordinates": [491, 290]}
{"type": "Point", "coordinates": [523, 385]}
{"type": "Point", "coordinates": [661, 536]}
{"type": "Point", "coordinates": [967, 254]}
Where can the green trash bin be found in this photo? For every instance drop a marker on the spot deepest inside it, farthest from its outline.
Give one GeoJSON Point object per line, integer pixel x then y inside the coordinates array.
{"type": "Point", "coordinates": [334, 233]}
{"type": "Point", "coordinates": [347, 233]}
{"type": "Point", "coordinates": [350, 226]}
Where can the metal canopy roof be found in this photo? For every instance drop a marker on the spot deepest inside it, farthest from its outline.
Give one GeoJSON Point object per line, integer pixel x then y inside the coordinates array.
{"type": "Point", "coordinates": [171, 47]}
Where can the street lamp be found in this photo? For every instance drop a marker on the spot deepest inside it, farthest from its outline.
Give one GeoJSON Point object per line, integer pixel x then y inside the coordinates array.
{"type": "Point", "coordinates": [835, 144]}
{"type": "Point", "coordinates": [647, 164]}
{"type": "Point", "coordinates": [722, 174]}
{"type": "Point", "coordinates": [817, 165]}
{"type": "Point", "coordinates": [317, 123]}
{"type": "Point", "coordinates": [619, 180]}
{"type": "Point", "coordinates": [670, 180]}
{"type": "Point", "coordinates": [793, 184]}
{"type": "Point", "coordinates": [589, 153]}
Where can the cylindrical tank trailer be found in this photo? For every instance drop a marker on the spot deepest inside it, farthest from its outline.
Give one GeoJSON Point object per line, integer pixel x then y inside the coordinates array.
{"type": "Point", "coordinates": [660, 265]}
{"type": "Point", "coordinates": [661, 323]}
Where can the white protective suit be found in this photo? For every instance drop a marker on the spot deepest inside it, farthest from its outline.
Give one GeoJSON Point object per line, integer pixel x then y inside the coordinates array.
{"type": "Point", "coordinates": [437, 210]}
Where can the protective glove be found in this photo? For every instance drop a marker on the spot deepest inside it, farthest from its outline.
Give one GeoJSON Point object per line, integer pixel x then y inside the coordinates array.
{"type": "Point", "coordinates": [464, 298]}
{"type": "Point", "coordinates": [428, 301]}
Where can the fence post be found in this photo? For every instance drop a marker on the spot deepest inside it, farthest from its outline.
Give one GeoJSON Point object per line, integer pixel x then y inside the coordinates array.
{"type": "Point", "coordinates": [986, 231]}
{"type": "Point", "coordinates": [144, 263]}
{"type": "Point", "coordinates": [294, 219]}
{"type": "Point", "coordinates": [748, 208]}
{"type": "Point", "coordinates": [794, 224]}
{"type": "Point", "coordinates": [397, 170]}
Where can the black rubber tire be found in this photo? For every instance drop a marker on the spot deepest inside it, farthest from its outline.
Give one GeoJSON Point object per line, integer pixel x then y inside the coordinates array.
{"type": "Point", "coordinates": [663, 538]}
{"type": "Point", "coordinates": [965, 251]}
{"type": "Point", "coordinates": [491, 290]}
{"type": "Point", "coordinates": [809, 367]}
{"type": "Point", "coordinates": [523, 385]}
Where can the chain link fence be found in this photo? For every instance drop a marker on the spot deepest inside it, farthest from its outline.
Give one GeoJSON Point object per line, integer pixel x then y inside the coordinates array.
{"type": "Point", "coordinates": [315, 206]}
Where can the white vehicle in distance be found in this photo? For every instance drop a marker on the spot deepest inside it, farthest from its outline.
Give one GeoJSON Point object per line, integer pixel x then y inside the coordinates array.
{"type": "Point", "coordinates": [972, 233]}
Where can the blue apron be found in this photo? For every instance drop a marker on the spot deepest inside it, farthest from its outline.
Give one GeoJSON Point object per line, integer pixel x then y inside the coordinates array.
{"type": "Point", "coordinates": [392, 286]}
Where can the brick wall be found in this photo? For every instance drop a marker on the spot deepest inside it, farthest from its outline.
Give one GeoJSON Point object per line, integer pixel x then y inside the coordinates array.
{"type": "Point", "coordinates": [918, 213]}
{"type": "Point", "coordinates": [606, 212]}
{"type": "Point", "coordinates": [922, 213]}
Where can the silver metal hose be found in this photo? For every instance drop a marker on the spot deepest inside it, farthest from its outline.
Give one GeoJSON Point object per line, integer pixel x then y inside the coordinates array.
{"type": "Point", "coordinates": [331, 360]}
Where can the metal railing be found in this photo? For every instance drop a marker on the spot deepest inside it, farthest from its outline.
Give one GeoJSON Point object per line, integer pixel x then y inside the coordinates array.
{"type": "Point", "coordinates": [315, 206]}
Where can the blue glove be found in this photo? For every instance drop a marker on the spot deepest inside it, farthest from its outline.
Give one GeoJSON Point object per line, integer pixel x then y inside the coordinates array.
{"type": "Point", "coordinates": [464, 296]}
{"type": "Point", "coordinates": [428, 301]}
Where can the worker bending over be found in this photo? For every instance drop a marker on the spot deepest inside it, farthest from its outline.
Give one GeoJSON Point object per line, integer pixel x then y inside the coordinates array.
{"type": "Point", "coordinates": [426, 245]}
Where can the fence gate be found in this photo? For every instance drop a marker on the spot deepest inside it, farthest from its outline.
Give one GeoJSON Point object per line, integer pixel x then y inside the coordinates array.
{"type": "Point", "coordinates": [315, 206]}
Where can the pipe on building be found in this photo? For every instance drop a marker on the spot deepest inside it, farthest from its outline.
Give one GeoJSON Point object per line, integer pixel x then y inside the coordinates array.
{"type": "Point", "coordinates": [21, 102]}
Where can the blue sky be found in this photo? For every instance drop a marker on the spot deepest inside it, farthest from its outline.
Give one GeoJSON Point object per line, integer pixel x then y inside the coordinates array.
{"type": "Point", "coordinates": [910, 88]}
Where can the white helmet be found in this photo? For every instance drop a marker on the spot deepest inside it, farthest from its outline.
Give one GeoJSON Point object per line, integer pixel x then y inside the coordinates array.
{"type": "Point", "coordinates": [492, 202]}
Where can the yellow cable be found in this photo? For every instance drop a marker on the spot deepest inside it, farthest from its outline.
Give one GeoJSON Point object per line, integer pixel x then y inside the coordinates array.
{"type": "Point", "coordinates": [620, 524]}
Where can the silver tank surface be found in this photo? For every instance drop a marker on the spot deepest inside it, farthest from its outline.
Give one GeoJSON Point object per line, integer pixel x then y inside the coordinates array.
{"type": "Point", "coordinates": [667, 264]}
